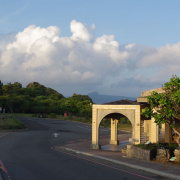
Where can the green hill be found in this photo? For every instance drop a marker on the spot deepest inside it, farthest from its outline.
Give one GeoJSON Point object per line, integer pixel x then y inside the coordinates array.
{"type": "Point", "coordinates": [36, 98]}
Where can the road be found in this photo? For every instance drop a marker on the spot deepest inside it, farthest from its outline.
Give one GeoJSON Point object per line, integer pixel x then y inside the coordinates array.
{"type": "Point", "coordinates": [28, 154]}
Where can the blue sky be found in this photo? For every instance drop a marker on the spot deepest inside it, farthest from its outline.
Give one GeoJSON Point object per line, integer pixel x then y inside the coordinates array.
{"type": "Point", "coordinates": [153, 23]}
{"type": "Point", "coordinates": [133, 44]}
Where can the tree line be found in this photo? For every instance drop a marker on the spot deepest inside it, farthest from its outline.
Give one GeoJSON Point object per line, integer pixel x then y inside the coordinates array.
{"type": "Point", "coordinates": [36, 98]}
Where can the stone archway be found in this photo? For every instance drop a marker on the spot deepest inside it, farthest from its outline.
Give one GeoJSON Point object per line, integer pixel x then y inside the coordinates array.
{"type": "Point", "coordinates": [114, 118]}
{"type": "Point", "coordinates": [130, 109]}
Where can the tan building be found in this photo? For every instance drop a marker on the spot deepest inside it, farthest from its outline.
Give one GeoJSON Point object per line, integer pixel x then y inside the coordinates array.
{"type": "Point", "coordinates": [143, 130]}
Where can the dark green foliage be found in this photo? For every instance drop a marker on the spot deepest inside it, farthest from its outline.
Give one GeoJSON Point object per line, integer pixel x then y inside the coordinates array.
{"type": "Point", "coordinates": [7, 89]}
{"type": "Point", "coordinates": [173, 146]}
{"type": "Point", "coordinates": [35, 115]}
{"type": "Point", "coordinates": [11, 122]}
{"type": "Point", "coordinates": [52, 115]}
{"type": "Point", "coordinates": [78, 104]}
{"type": "Point", "coordinates": [106, 123]}
{"type": "Point", "coordinates": [36, 98]}
{"type": "Point", "coordinates": [147, 146]}
{"type": "Point", "coordinates": [165, 107]}
{"type": "Point", "coordinates": [170, 146]}
{"type": "Point", "coordinates": [1, 85]}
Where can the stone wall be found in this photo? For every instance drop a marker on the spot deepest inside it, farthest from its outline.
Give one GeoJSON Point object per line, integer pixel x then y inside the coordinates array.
{"type": "Point", "coordinates": [139, 153]}
{"type": "Point", "coordinates": [148, 93]}
{"type": "Point", "coordinates": [177, 155]}
{"type": "Point", "coordinates": [163, 155]}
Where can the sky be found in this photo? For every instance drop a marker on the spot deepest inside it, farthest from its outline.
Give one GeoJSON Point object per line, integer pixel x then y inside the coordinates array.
{"type": "Point", "coordinates": [114, 47]}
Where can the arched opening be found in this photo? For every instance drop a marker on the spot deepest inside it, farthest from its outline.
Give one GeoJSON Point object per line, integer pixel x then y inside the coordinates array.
{"type": "Point", "coordinates": [129, 109]}
{"type": "Point", "coordinates": [115, 129]}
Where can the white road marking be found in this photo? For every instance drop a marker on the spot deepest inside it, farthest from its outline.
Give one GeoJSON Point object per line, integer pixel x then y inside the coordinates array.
{"type": "Point", "coordinates": [104, 129]}
{"type": "Point", "coordinates": [55, 135]}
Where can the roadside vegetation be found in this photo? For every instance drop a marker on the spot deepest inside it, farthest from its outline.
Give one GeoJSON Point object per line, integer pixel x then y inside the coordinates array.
{"type": "Point", "coordinates": [165, 107]}
{"type": "Point", "coordinates": [36, 100]}
{"type": "Point", "coordinates": [10, 122]}
{"type": "Point", "coordinates": [123, 124]}
{"type": "Point", "coordinates": [170, 146]}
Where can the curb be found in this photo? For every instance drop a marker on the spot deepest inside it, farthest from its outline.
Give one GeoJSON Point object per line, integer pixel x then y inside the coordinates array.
{"type": "Point", "coordinates": [152, 171]}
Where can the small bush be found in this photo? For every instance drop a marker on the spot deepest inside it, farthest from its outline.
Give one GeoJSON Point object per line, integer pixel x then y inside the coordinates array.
{"type": "Point", "coordinates": [52, 115]}
{"type": "Point", "coordinates": [170, 146]}
{"type": "Point", "coordinates": [34, 115]}
{"type": "Point", "coordinates": [11, 122]}
{"type": "Point", "coordinates": [147, 146]}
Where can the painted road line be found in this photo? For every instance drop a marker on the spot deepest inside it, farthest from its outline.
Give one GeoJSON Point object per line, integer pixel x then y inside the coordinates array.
{"type": "Point", "coordinates": [96, 162]}
{"type": "Point", "coordinates": [3, 167]}
{"type": "Point", "coordinates": [55, 135]}
{"type": "Point", "coordinates": [5, 134]}
{"type": "Point", "coordinates": [134, 166]}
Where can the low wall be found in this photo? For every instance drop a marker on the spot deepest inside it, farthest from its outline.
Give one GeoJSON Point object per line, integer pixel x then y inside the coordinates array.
{"type": "Point", "coordinates": [177, 154]}
{"type": "Point", "coordinates": [139, 153]}
{"type": "Point", "coordinates": [163, 154]}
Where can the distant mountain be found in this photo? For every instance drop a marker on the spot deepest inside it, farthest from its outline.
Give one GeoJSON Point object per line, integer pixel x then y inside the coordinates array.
{"type": "Point", "coordinates": [101, 99]}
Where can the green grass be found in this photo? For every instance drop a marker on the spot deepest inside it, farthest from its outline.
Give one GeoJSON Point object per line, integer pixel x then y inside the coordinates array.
{"type": "Point", "coordinates": [87, 120]}
{"type": "Point", "coordinates": [104, 123]}
{"type": "Point", "coordinates": [21, 115]}
{"type": "Point", "coordinates": [10, 122]}
{"type": "Point", "coordinates": [125, 127]}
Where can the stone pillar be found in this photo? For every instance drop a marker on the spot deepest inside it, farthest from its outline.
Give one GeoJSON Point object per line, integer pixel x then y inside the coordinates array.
{"type": "Point", "coordinates": [137, 127]}
{"type": "Point", "coordinates": [95, 130]}
{"type": "Point", "coordinates": [114, 129]}
{"type": "Point", "coordinates": [168, 133]}
{"type": "Point", "coordinates": [162, 133]}
{"type": "Point", "coordinates": [154, 136]}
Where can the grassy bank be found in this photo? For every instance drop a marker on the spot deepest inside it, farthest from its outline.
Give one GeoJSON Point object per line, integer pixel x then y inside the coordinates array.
{"type": "Point", "coordinates": [125, 127]}
{"type": "Point", "coordinates": [10, 122]}
{"type": "Point", "coordinates": [105, 123]}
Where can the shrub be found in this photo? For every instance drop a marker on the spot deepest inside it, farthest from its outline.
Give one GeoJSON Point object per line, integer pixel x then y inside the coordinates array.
{"type": "Point", "coordinates": [52, 115]}
{"type": "Point", "coordinates": [170, 146]}
{"type": "Point", "coordinates": [147, 146]}
{"type": "Point", "coordinates": [12, 123]}
{"type": "Point", "coordinates": [34, 115]}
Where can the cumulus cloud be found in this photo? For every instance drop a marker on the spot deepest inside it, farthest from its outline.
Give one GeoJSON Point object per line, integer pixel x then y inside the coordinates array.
{"type": "Point", "coordinates": [82, 62]}
{"type": "Point", "coordinates": [107, 45]}
{"type": "Point", "coordinates": [81, 32]}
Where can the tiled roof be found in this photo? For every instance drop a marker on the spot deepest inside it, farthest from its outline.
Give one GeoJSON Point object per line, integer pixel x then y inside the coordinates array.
{"type": "Point", "coordinates": [123, 102]}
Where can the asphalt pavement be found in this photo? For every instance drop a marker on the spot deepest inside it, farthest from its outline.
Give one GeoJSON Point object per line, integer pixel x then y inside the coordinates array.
{"type": "Point", "coordinates": [112, 154]}
{"type": "Point", "coordinates": [57, 149]}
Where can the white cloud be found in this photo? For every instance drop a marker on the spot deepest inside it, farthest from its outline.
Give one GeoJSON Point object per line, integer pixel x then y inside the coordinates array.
{"type": "Point", "coordinates": [129, 46]}
{"type": "Point", "coordinates": [107, 45]}
{"type": "Point", "coordinates": [81, 32]}
{"type": "Point", "coordinates": [166, 55]}
{"type": "Point", "coordinates": [82, 62]}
